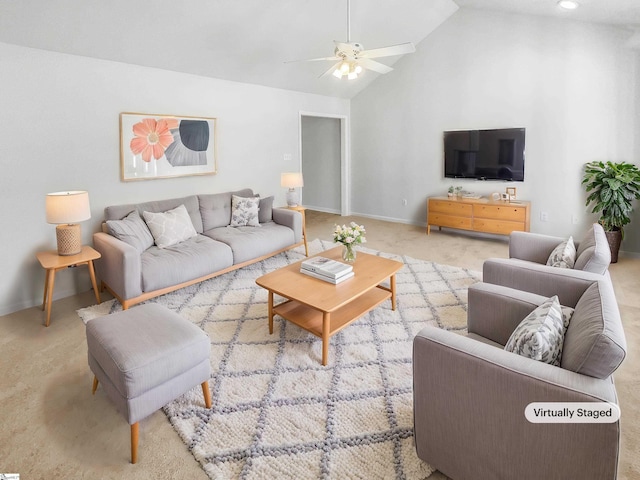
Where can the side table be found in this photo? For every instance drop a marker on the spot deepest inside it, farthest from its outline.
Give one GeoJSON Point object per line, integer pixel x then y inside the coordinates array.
{"type": "Point", "coordinates": [52, 262]}
{"type": "Point", "coordinates": [301, 209]}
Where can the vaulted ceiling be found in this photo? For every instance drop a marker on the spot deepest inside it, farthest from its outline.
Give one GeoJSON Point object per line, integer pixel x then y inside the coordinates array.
{"type": "Point", "coordinates": [251, 40]}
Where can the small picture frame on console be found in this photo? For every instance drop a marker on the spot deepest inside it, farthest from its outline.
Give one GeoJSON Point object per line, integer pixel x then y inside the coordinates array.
{"type": "Point", "coordinates": [511, 193]}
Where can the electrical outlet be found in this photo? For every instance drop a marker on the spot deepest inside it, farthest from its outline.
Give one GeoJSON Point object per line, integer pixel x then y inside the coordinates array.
{"type": "Point", "coordinates": [287, 157]}
{"type": "Point", "coordinates": [404, 202]}
{"type": "Point", "coordinates": [544, 216]}
{"type": "Point", "coordinates": [574, 219]}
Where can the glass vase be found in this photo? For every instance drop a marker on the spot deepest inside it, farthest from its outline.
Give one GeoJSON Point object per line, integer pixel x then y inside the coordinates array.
{"type": "Point", "coordinates": [349, 253]}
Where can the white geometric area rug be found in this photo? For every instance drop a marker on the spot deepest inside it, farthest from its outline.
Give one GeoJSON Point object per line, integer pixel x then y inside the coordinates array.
{"type": "Point", "coordinates": [277, 412]}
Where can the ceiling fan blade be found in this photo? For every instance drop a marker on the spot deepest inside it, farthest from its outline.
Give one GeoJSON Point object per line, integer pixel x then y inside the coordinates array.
{"type": "Point", "coordinates": [373, 65]}
{"type": "Point", "coordinates": [331, 69]}
{"type": "Point", "coordinates": [400, 49]}
{"type": "Point", "coordinates": [314, 59]}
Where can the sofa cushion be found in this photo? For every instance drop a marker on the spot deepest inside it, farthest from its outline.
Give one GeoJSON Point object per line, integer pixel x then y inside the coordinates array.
{"type": "Point", "coordinates": [193, 258]}
{"type": "Point", "coordinates": [265, 210]}
{"type": "Point", "coordinates": [170, 227]}
{"type": "Point", "coordinates": [564, 255]}
{"type": "Point", "coordinates": [540, 335]}
{"type": "Point", "coordinates": [248, 243]}
{"type": "Point", "coordinates": [244, 211]}
{"type": "Point", "coordinates": [191, 203]}
{"type": "Point", "coordinates": [215, 208]}
{"type": "Point", "coordinates": [595, 344]}
{"type": "Point", "coordinates": [593, 253]}
{"type": "Point", "coordinates": [132, 230]}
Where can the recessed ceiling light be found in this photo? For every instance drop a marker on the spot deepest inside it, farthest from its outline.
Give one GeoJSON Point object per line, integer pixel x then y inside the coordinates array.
{"type": "Point", "coordinates": [568, 4]}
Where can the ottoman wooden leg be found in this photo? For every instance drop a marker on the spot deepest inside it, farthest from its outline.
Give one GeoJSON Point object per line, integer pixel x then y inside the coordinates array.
{"type": "Point", "coordinates": [95, 385]}
{"type": "Point", "coordinates": [207, 394]}
{"type": "Point", "coordinates": [134, 442]}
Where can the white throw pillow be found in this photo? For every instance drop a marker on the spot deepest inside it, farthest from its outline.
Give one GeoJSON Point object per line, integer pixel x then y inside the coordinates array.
{"type": "Point", "coordinates": [170, 227]}
{"type": "Point", "coordinates": [540, 335]}
{"type": "Point", "coordinates": [564, 255]}
{"type": "Point", "coordinates": [244, 211]}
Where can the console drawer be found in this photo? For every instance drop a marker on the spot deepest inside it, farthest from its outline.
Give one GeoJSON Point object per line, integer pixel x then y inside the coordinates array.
{"type": "Point", "coordinates": [500, 212]}
{"type": "Point", "coordinates": [451, 208]}
{"type": "Point", "coordinates": [502, 227]}
{"type": "Point", "coordinates": [452, 221]}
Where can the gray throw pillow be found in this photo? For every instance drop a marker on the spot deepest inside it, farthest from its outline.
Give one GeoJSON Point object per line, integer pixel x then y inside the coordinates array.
{"type": "Point", "coordinates": [540, 336]}
{"type": "Point", "coordinates": [132, 230]}
{"type": "Point", "coordinates": [244, 211]}
{"type": "Point", "coordinates": [170, 227]}
{"type": "Point", "coordinates": [265, 210]}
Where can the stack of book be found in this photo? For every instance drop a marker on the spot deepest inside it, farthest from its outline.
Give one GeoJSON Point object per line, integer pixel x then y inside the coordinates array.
{"type": "Point", "coordinates": [326, 269]}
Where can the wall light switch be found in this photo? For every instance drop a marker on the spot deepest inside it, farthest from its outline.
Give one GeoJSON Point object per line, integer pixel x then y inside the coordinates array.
{"type": "Point", "coordinates": [287, 157]}
{"type": "Point", "coordinates": [544, 216]}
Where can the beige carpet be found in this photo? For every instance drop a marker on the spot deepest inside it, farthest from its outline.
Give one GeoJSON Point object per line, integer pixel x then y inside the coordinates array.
{"type": "Point", "coordinates": [277, 412]}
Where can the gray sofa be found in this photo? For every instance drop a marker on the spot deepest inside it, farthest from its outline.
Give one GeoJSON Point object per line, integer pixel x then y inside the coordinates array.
{"type": "Point", "coordinates": [470, 394]}
{"type": "Point", "coordinates": [134, 270]}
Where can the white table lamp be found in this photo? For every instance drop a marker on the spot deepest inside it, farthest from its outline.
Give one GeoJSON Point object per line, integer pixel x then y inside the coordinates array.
{"type": "Point", "coordinates": [67, 209]}
{"type": "Point", "coordinates": [292, 180]}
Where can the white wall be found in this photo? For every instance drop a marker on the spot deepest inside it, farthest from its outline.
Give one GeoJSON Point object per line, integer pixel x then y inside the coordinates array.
{"type": "Point", "coordinates": [59, 131]}
{"type": "Point", "coordinates": [573, 86]}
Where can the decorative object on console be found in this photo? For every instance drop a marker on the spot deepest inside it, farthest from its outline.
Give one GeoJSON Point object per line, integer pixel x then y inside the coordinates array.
{"type": "Point", "coordinates": [349, 237]}
{"type": "Point", "coordinates": [292, 180]}
{"type": "Point", "coordinates": [67, 210]}
{"type": "Point", "coordinates": [511, 193]}
{"type": "Point", "coordinates": [161, 146]}
{"type": "Point", "coordinates": [612, 187]}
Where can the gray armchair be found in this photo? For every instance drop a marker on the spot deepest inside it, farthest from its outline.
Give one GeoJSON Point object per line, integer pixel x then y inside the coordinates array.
{"type": "Point", "coordinates": [526, 268]}
{"type": "Point", "coordinates": [470, 394]}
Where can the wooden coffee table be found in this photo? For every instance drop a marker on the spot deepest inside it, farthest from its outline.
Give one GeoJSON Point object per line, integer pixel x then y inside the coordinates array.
{"type": "Point", "coordinates": [323, 308]}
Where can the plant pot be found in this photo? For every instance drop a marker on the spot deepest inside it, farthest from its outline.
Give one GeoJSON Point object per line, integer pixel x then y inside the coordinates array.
{"type": "Point", "coordinates": [614, 237]}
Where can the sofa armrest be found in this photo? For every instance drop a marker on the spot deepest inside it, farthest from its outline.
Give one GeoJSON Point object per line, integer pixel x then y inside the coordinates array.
{"type": "Point", "coordinates": [469, 404]}
{"type": "Point", "coordinates": [495, 311]}
{"type": "Point", "coordinates": [291, 219]}
{"type": "Point", "coordinates": [533, 247]}
{"type": "Point", "coordinates": [119, 267]}
{"type": "Point", "coordinates": [544, 280]}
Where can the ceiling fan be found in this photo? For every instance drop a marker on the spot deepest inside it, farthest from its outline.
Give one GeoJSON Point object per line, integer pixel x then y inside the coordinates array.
{"type": "Point", "coordinates": [351, 58]}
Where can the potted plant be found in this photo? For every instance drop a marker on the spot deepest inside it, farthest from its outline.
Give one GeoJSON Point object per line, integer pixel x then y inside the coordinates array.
{"type": "Point", "coordinates": [612, 188]}
{"type": "Point", "coordinates": [450, 191]}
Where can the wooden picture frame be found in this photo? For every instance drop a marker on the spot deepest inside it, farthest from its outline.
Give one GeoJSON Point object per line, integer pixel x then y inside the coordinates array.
{"type": "Point", "coordinates": [164, 146]}
{"type": "Point", "coordinates": [511, 193]}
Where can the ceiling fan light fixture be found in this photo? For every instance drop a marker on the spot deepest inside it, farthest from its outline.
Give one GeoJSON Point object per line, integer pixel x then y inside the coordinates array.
{"type": "Point", "coordinates": [568, 4]}
{"type": "Point", "coordinates": [337, 73]}
{"type": "Point", "coordinates": [358, 69]}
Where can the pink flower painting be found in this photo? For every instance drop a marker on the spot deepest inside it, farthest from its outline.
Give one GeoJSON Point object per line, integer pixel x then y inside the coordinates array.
{"type": "Point", "coordinates": [152, 137]}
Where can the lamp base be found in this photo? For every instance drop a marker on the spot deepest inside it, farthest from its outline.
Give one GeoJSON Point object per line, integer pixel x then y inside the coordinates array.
{"type": "Point", "coordinates": [292, 198]}
{"type": "Point", "coordinates": [69, 239]}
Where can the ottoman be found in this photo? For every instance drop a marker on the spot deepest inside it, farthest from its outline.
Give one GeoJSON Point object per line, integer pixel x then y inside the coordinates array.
{"type": "Point", "coordinates": [146, 357]}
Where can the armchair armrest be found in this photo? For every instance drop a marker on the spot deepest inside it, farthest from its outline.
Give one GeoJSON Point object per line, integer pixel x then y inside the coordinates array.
{"type": "Point", "coordinates": [533, 247]}
{"type": "Point", "coordinates": [495, 311]}
{"type": "Point", "coordinates": [544, 280]}
{"type": "Point", "coordinates": [119, 267]}
{"type": "Point", "coordinates": [291, 219]}
{"type": "Point", "coordinates": [469, 403]}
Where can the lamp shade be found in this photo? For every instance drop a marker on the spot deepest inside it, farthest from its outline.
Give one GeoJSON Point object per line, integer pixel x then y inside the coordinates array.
{"type": "Point", "coordinates": [291, 180]}
{"type": "Point", "coordinates": [67, 207]}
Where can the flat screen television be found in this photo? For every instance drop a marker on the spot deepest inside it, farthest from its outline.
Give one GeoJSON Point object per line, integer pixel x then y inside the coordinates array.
{"type": "Point", "coordinates": [496, 154]}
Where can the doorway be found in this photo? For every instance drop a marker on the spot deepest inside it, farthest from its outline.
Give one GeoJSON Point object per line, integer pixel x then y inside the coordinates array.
{"type": "Point", "coordinates": [324, 162]}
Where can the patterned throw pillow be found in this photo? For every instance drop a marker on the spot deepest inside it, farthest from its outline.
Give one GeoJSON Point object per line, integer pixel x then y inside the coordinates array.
{"type": "Point", "coordinates": [132, 230]}
{"type": "Point", "coordinates": [170, 227]}
{"type": "Point", "coordinates": [540, 335]}
{"type": "Point", "coordinates": [564, 255]}
{"type": "Point", "coordinates": [244, 211]}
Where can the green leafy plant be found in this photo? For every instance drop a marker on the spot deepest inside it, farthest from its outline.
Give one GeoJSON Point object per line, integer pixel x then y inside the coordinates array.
{"type": "Point", "coordinates": [612, 188]}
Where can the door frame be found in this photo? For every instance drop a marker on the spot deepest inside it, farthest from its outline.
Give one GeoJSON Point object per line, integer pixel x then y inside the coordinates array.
{"type": "Point", "coordinates": [345, 156]}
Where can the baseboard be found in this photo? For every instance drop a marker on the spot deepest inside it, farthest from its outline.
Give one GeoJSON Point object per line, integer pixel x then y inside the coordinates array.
{"type": "Point", "coordinates": [322, 209]}
{"type": "Point", "coordinates": [390, 219]}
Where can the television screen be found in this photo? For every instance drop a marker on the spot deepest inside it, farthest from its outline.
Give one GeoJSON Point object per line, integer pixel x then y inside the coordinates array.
{"type": "Point", "coordinates": [496, 154]}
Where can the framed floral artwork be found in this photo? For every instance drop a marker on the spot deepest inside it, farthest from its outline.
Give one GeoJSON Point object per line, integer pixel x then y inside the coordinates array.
{"type": "Point", "coordinates": [163, 146]}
